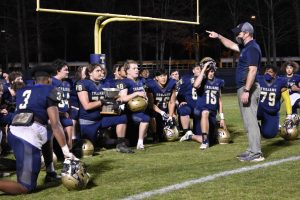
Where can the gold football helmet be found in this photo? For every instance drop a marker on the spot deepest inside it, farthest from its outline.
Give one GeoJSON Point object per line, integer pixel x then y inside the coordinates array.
{"type": "Point", "coordinates": [87, 148]}
{"type": "Point", "coordinates": [223, 136]}
{"type": "Point", "coordinates": [171, 134]}
{"type": "Point", "coordinates": [208, 59]}
{"type": "Point", "coordinates": [137, 104]}
{"type": "Point", "coordinates": [74, 175]}
{"type": "Point", "coordinates": [289, 130]}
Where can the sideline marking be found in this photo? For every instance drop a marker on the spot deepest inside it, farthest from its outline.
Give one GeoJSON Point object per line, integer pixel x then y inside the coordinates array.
{"type": "Point", "coordinates": [208, 178]}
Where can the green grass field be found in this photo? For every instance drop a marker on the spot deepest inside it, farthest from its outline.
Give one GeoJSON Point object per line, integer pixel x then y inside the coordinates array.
{"type": "Point", "coordinates": [117, 176]}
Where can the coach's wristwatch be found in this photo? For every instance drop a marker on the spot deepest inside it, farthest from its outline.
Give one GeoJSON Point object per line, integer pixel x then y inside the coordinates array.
{"type": "Point", "coordinates": [245, 90]}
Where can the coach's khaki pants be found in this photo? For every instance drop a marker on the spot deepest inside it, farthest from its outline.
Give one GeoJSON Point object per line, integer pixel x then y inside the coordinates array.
{"type": "Point", "coordinates": [249, 117]}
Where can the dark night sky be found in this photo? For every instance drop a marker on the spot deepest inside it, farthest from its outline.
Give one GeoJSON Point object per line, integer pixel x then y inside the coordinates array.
{"type": "Point", "coordinates": [71, 36]}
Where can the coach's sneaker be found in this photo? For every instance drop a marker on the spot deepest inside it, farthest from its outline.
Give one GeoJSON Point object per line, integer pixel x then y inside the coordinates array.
{"type": "Point", "coordinates": [204, 145]}
{"type": "Point", "coordinates": [252, 158]}
{"type": "Point", "coordinates": [122, 148]}
{"type": "Point", "coordinates": [245, 154]}
{"type": "Point", "coordinates": [187, 136]}
{"type": "Point", "coordinates": [52, 177]}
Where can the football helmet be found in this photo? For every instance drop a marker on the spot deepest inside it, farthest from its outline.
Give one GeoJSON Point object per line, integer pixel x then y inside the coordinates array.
{"type": "Point", "coordinates": [137, 104]}
{"type": "Point", "coordinates": [170, 130]}
{"type": "Point", "coordinates": [87, 148]}
{"type": "Point", "coordinates": [289, 130]}
{"type": "Point", "coordinates": [213, 64]}
{"type": "Point", "coordinates": [223, 136]}
{"type": "Point", "coordinates": [171, 134]}
{"type": "Point", "coordinates": [74, 175]}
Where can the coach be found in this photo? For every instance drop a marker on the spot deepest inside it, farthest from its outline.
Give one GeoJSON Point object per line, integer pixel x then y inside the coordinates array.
{"type": "Point", "coordinates": [248, 89]}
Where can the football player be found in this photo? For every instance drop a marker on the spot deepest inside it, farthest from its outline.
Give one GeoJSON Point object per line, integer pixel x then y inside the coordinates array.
{"type": "Point", "coordinates": [35, 105]}
{"type": "Point", "coordinates": [132, 87]}
{"type": "Point", "coordinates": [209, 100]}
{"type": "Point", "coordinates": [60, 81]}
{"type": "Point", "coordinates": [163, 92]}
{"type": "Point", "coordinates": [79, 75]}
{"type": "Point", "coordinates": [272, 89]}
{"type": "Point", "coordinates": [92, 98]}
{"type": "Point", "coordinates": [290, 68]}
{"type": "Point", "coordinates": [187, 99]}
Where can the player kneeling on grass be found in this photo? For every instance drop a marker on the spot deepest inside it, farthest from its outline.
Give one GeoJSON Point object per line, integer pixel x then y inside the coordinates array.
{"type": "Point", "coordinates": [35, 105]}
{"type": "Point", "coordinates": [272, 89]}
{"type": "Point", "coordinates": [92, 99]}
{"type": "Point", "coordinates": [163, 92]}
{"type": "Point", "coordinates": [133, 93]}
{"type": "Point", "coordinates": [209, 100]}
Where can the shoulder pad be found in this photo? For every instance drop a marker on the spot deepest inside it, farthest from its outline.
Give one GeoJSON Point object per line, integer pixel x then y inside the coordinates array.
{"type": "Point", "coordinates": [80, 86]}
{"type": "Point", "coordinates": [55, 95]}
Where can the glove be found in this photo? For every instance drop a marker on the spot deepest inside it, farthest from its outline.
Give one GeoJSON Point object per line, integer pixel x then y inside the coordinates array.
{"type": "Point", "coordinates": [106, 101]}
{"type": "Point", "coordinates": [67, 153]}
{"type": "Point", "coordinates": [289, 117]}
{"type": "Point", "coordinates": [164, 115]}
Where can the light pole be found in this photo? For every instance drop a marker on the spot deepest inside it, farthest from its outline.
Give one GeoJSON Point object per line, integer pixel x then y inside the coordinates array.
{"type": "Point", "coordinates": [197, 48]}
{"type": "Point", "coordinates": [3, 33]}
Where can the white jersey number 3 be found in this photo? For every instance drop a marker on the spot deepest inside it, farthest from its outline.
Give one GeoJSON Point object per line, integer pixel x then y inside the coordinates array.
{"type": "Point", "coordinates": [26, 96]}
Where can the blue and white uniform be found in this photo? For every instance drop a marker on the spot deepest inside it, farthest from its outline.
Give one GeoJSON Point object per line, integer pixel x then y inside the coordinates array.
{"type": "Point", "coordinates": [64, 105]}
{"type": "Point", "coordinates": [26, 141]}
{"type": "Point", "coordinates": [269, 105]}
{"type": "Point", "coordinates": [294, 96]}
{"type": "Point", "coordinates": [208, 99]}
{"type": "Point", "coordinates": [161, 98]}
{"type": "Point", "coordinates": [135, 86]}
{"type": "Point", "coordinates": [187, 93]}
{"type": "Point", "coordinates": [91, 121]}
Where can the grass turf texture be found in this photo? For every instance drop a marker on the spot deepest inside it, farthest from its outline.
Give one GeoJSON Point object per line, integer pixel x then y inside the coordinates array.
{"type": "Point", "coordinates": [116, 175]}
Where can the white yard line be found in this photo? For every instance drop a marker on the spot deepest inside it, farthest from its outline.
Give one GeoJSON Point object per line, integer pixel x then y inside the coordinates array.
{"type": "Point", "coordinates": [208, 178]}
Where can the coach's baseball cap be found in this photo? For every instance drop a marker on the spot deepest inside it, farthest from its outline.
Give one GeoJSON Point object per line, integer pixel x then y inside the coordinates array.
{"type": "Point", "coordinates": [243, 27]}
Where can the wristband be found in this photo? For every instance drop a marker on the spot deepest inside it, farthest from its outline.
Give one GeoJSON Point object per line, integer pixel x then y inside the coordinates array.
{"type": "Point", "coordinates": [245, 90]}
{"type": "Point", "coordinates": [221, 116]}
{"type": "Point", "coordinates": [65, 150]}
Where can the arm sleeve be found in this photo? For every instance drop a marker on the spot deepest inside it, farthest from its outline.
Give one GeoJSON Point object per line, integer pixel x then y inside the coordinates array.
{"type": "Point", "coordinates": [286, 97]}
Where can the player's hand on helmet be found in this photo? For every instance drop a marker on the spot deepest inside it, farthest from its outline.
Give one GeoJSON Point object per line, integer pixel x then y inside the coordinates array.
{"type": "Point", "coordinates": [294, 88]}
{"type": "Point", "coordinates": [67, 153]}
{"type": "Point", "coordinates": [164, 115]}
{"type": "Point", "coordinates": [222, 124]}
{"type": "Point", "coordinates": [289, 117]}
{"type": "Point", "coordinates": [140, 94]}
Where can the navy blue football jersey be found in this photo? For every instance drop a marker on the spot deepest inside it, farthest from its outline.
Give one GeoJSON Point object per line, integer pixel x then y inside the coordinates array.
{"type": "Point", "coordinates": [65, 87]}
{"type": "Point", "coordinates": [95, 93]}
{"type": "Point", "coordinates": [186, 90]}
{"type": "Point", "coordinates": [37, 99]}
{"type": "Point", "coordinates": [131, 85]}
{"type": "Point", "coordinates": [74, 101]}
{"type": "Point", "coordinates": [294, 80]}
{"type": "Point", "coordinates": [161, 95]}
{"type": "Point", "coordinates": [270, 94]}
{"type": "Point", "coordinates": [209, 93]}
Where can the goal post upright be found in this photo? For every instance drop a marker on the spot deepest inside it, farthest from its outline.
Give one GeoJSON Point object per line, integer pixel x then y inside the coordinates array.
{"type": "Point", "coordinates": [106, 18]}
